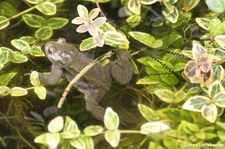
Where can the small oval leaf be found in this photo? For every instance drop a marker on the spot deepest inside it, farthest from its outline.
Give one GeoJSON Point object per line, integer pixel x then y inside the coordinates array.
{"type": "Point", "coordinates": [153, 127]}
{"type": "Point", "coordinates": [18, 91]}
{"type": "Point", "coordinates": [47, 8]}
{"type": "Point", "coordinates": [40, 91]}
{"type": "Point", "coordinates": [56, 124]}
{"type": "Point", "coordinates": [44, 33]}
{"type": "Point", "coordinates": [56, 23]}
{"type": "Point", "coordinates": [111, 119]}
{"type": "Point", "coordinates": [113, 137]}
{"type": "Point", "coordinates": [4, 22]}
{"type": "Point", "coordinates": [33, 20]}
{"type": "Point", "coordinates": [21, 45]}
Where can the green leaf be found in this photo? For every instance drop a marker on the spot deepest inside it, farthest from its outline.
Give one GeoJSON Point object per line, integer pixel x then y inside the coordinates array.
{"type": "Point", "coordinates": [18, 57]}
{"type": "Point", "coordinates": [41, 139]}
{"type": "Point", "coordinates": [219, 99]}
{"type": "Point", "coordinates": [87, 44]}
{"type": "Point", "coordinates": [113, 137]}
{"type": "Point", "coordinates": [180, 96]}
{"type": "Point", "coordinates": [148, 80]}
{"type": "Point", "coordinates": [203, 22]}
{"type": "Point", "coordinates": [216, 27]}
{"type": "Point", "coordinates": [4, 91]}
{"type": "Point", "coordinates": [216, 5]}
{"type": "Point", "coordinates": [4, 22]}
{"type": "Point", "coordinates": [33, 20]}
{"type": "Point", "coordinates": [106, 27]}
{"type": "Point", "coordinates": [28, 39]}
{"type": "Point", "coordinates": [165, 95]}
{"type": "Point", "coordinates": [218, 73]}
{"type": "Point", "coordinates": [18, 91]}
{"type": "Point", "coordinates": [195, 103]}
{"type": "Point", "coordinates": [178, 67]}
{"type": "Point", "coordinates": [40, 91]}
{"type": "Point", "coordinates": [220, 39]}
{"type": "Point", "coordinates": [133, 20]}
{"type": "Point", "coordinates": [47, 8]}
{"type": "Point", "coordinates": [36, 51]}
{"type": "Point", "coordinates": [52, 139]}
{"type": "Point", "coordinates": [148, 113]}
{"type": "Point", "coordinates": [146, 39]}
{"type": "Point", "coordinates": [187, 127]}
{"type": "Point", "coordinates": [6, 78]}
{"type": "Point", "coordinates": [214, 88]}
{"type": "Point", "coordinates": [34, 79]}
{"type": "Point", "coordinates": [172, 17]}
{"type": "Point", "coordinates": [111, 119]}
{"type": "Point", "coordinates": [7, 9]}
{"type": "Point", "coordinates": [154, 145]}
{"type": "Point", "coordinates": [44, 33]}
{"type": "Point", "coordinates": [56, 23]}
{"type": "Point", "coordinates": [34, 1]}
{"type": "Point", "coordinates": [56, 124]}
{"type": "Point", "coordinates": [149, 2]}
{"type": "Point", "coordinates": [83, 143]}
{"type": "Point", "coordinates": [4, 57]}
{"type": "Point", "coordinates": [115, 38]}
{"type": "Point", "coordinates": [190, 4]}
{"type": "Point", "coordinates": [21, 45]}
{"type": "Point", "coordinates": [93, 130]}
{"type": "Point", "coordinates": [209, 112]}
{"type": "Point", "coordinates": [70, 129]}
{"type": "Point", "coordinates": [153, 127]}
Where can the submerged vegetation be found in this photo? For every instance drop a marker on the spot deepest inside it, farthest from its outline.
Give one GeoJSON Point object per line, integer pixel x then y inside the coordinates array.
{"type": "Point", "coordinates": [176, 98]}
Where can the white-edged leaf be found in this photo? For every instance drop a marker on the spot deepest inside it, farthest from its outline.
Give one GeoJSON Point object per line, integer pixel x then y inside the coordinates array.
{"type": "Point", "coordinates": [56, 124]}
{"type": "Point", "coordinates": [83, 143]}
{"type": "Point", "coordinates": [220, 39]}
{"type": "Point", "coordinates": [111, 119]}
{"type": "Point", "coordinates": [195, 103]}
{"type": "Point", "coordinates": [148, 113]}
{"type": "Point", "coordinates": [47, 8]}
{"type": "Point", "coordinates": [113, 137]}
{"type": "Point", "coordinates": [214, 88]}
{"type": "Point", "coordinates": [4, 22]}
{"type": "Point", "coordinates": [209, 112]}
{"type": "Point", "coordinates": [93, 130]}
{"type": "Point", "coordinates": [87, 44]}
{"type": "Point", "coordinates": [52, 139]}
{"type": "Point", "coordinates": [18, 91]}
{"type": "Point", "coordinates": [153, 127]}
{"type": "Point", "coordinates": [34, 79]}
{"type": "Point", "coordinates": [203, 22]}
{"type": "Point", "coordinates": [219, 99]}
{"type": "Point", "coordinates": [165, 95]}
{"type": "Point", "coordinates": [216, 5]}
{"type": "Point", "coordinates": [40, 91]}
{"type": "Point", "coordinates": [21, 45]}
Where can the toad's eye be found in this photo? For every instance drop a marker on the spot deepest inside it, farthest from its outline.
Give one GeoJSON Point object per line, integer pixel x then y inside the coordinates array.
{"type": "Point", "coordinates": [51, 50]}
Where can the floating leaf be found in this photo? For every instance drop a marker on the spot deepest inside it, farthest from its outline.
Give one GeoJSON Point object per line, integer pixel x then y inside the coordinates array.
{"type": "Point", "coordinates": [47, 8]}
{"type": "Point", "coordinates": [21, 45]}
{"type": "Point", "coordinates": [4, 22]}
{"type": "Point", "coordinates": [56, 23]}
{"type": "Point", "coordinates": [87, 44]}
{"type": "Point", "coordinates": [153, 127]}
{"type": "Point", "coordinates": [93, 130]}
{"type": "Point", "coordinates": [56, 124]}
{"type": "Point", "coordinates": [33, 20]}
{"type": "Point", "coordinates": [44, 33]}
{"type": "Point", "coordinates": [203, 23]}
{"type": "Point", "coordinates": [18, 91]}
{"type": "Point", "coordinates": [113, 137]}
{"type": "Point", "coordinates": [219, 99]}
{"type": "Point", "coordinates": [220, 39]}
{"type": "Point", "coordinates": [148, 113]}
{"type": "Point", "coordinates": [216, 5]}
{"type": "Point", "coordinates": [195, 103]}
{"type": "Point", "coordinates": [209, 112]}
{"type": "Point", "coordinates": [40, 91]}
{"type": "Point", "coordinates": [37, 51]}
{"type": "Point", "coordinates": [146, 39]}
{"type": "Point", "coordinates": [111, 119]}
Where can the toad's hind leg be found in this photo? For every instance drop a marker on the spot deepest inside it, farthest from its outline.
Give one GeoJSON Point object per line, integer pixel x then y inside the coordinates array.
{"type": "Point", "coordinates": [92, 96]}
